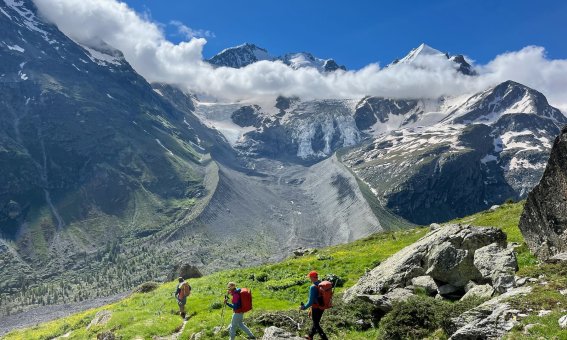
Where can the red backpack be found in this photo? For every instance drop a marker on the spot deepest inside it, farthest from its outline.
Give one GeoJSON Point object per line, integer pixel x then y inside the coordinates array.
{"type": "Point", "coordinates": [325, 299]}
{"type": "Point", "coordinates": [245, 301]}
{"type": "Point", "coordinates": [184, 290]}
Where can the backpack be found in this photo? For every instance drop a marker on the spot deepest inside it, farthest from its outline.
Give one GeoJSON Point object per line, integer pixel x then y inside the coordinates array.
{"type": "Point", "coordinates": [245, 301]}
{"type": "Point", "coordinates": [184, 290]}
{"type": "Point", "coordinates": [325, 298]}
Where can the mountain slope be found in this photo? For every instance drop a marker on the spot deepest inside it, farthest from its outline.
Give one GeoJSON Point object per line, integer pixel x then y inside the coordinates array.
{"type": "Point", "coordinates": [278, 288]}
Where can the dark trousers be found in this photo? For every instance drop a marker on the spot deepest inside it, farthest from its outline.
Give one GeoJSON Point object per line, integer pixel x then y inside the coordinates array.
{"type": "Point", "coordinates": [316, 315]}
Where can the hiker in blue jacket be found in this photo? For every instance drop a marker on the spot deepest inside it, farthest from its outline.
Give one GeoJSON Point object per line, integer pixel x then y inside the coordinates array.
{"type": "Point", "coordinates": [316, 313]}
{"type": "Point", "coordinates": [237, 317]}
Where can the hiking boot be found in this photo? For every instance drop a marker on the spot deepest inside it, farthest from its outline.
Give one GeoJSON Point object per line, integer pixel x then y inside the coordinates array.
{"type": "Point", "coordinates": [308, 337]}
{"type": "Point", "coordinates": [183, 315]}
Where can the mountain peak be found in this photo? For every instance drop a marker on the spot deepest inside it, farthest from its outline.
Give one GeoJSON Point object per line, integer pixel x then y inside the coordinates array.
{"type": "Point", "coordinates": [421, 50]}
{"type": "Point", "coordinates": [240, 56]}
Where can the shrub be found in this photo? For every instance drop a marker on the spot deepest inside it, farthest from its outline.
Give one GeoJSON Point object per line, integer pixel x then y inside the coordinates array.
{"type": "Point", "coordinates": [216, 305]}
{"type": "Point", "coordinates": [146, 287]}
{"type": "Point", "coordinates": [335, 279]}
{"type": "Point", "coordinates": [420, 316]}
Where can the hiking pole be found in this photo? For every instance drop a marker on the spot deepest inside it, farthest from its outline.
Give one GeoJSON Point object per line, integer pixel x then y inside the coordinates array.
{"type": "Point", "coordinates": [222, 311]}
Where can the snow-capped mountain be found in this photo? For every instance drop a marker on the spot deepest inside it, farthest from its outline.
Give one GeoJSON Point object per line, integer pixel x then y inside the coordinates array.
{"type": "Point", "coordinates": [424, 52]}
{"type": "Point", "coordinates": [240, 56]}
{"type": "Point", "coordinates": [246, 54]}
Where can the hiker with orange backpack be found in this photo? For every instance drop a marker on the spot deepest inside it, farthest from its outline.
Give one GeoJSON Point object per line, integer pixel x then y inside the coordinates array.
{"type": "Point", "coordinates": [241, 303]}
{"type": "Point", "coordinates": [182, 292]}
{"type": "Point", "coordinates": [320, 298]}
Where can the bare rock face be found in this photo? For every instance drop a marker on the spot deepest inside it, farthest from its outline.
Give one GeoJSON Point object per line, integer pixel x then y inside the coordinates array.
{"type": "Point", "coordinates": [451, 256]}
{"type": "Point", "coordinates": [544, 220]}
{"type": "Point", "coordinates": [490, 320]}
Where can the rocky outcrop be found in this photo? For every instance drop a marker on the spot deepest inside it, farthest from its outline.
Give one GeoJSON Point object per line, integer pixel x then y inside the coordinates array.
{"type": "Point", "coordinates": [544, 220]}
{"type": "Point", "coordinates": [490, 320]}
{"type": "Point", "coordinates": [451, 257]}
{"type": "Point", "coordinates": [275, 333]}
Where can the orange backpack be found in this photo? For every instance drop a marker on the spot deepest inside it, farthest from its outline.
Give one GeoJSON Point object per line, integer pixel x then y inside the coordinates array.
{"type": "Point", "coordinates": [245, 301]}
{"type": "Point", "coordinates": [184, 290]}
{"type": "Point", "coordinates": [325, 299]}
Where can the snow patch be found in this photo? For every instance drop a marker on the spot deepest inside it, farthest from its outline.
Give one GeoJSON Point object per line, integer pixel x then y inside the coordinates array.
{"type": "Point", "coordinates": [16, 48]}
{"type": "Point", "coordinates": [101, 58]}
{"type": "Point", "coordinates": [163, 146]}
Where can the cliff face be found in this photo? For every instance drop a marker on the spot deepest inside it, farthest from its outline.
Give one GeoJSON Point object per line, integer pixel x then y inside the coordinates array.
{"type": "Point", "coordinates": [544, 220]}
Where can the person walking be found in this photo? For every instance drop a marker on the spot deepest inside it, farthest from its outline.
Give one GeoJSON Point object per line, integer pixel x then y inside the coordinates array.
{"type": "Point", "coordinates": [316, 312]}
{"type": "Point", "coordinates": [238, 316]}
{"type": "Point", "coordinates": [181, 294]}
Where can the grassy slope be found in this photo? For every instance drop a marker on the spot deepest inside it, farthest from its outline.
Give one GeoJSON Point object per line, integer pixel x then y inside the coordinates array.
{"type": "Point", "coordinates": [153, 314]}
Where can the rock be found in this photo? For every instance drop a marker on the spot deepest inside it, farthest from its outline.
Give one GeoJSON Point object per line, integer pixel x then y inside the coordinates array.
{"type": "Point", "coordinates": [107, 335]}
{"type": "Point", "coordinates": [385, 302]}
{"type": "Point", "coordinates": [146, 287]}
{"type": "Point", "coordinates": [563, 292]}
{"type": "Point", "coordinates": [101, 318]}
{"type": "Point", "coordinates": [544, 219]}
{"type": "Point", "coordinates": [494, 207]}
{"type": "Point", "coordinates": [543, 312]}
{"type": "Point", "coordinates": [479, 291]}
{"type": "Point", "coordinates": [196, 336]}
{"type": "Point", "coordinates": [520, 281]}
{"type": "Point", "coordinates": [445, 254]}
{"type": "Point", "coordinates": [561, 257]}
{"type": "Point", "coordinates": [528, 327]}
{"type": "Point", "coordinates": [426, 282]}
{"type": "Point", "coordinates": [434, 226]}
{"type": "Point", "coordinates": [563, 321]}
{"type": "Point", "coordinates": [304, 251]}
{"type": "Point", "coordinates": [447, 289]}
{"type": "Point", "coordinates": [497, 265]}
{"type": "Point", "coordinates": [186, 271]}
{"type": "Point", "coordinates": [470, 285]}
{"type": "Point", "coordinates": [217, 329]}
{"type": "Point", "coordinates": [275, 333]}
{"type": "Point", "coordinates": [490, 320]}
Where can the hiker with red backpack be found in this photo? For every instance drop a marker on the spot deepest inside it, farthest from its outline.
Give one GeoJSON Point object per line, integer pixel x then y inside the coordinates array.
{"type": "Point", "coordinates": [182, 292]}
{"type": "Point", "coordinates": [241, 303]}
{"type": "Point", "coordinates": [320, 298]}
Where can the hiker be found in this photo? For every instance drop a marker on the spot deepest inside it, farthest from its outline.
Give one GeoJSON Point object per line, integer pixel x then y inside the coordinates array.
{"type": "Point", "coordinates": [182, 292]}
{"type": "Point", "coordinates": [316, 311]}
{"type": "Point", "coordinates": [238, 315]}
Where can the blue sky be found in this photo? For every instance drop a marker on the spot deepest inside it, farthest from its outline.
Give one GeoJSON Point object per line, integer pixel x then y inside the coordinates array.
{"type": "Point", "coordinates": [361, 32]}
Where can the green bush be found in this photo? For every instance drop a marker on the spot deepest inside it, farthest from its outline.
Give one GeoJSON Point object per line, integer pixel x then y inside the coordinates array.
{"type": "Point", "coordinates": [335, 279]}
{"type": "Point", "coordinates": [420, 316]}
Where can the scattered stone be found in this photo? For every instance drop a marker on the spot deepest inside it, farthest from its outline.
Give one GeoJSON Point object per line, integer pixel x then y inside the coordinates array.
{"type": "Point", "coordinates": [498, 265]}
{"type": "Point", "coordinates": [543, 312]}
{"type": "Point", "coordinates": [480, 291]}
{"type": "Point", "coordinates": [426, 282]}
{"type": "Point", "coordinates": [304, 251]}
{"type": "Point", "coordinates": [107, 335]}
{"type": "Point", "coordinates": [275, 333]}
{"type": "Point", "coordinates": [528, 327]}
{"type": "Point", "coordinates": [562, 257]}
{"type": "Point", "coordinates": [490, 320]}
{"type": "Point", "coordinates": [563, 321]}
{"type": "Point", "coordinates": [101, 318]}
{"type": "Point", "coordinates": [217, 329]}
{"type": "Point", "coordinates": [197, 336]}
{"type": "Point", "coordinates": [563, 292]}
{"type": "Point", "coordinates": [520, 281]}
{"type": "Point", "coordinates": [494, 207]}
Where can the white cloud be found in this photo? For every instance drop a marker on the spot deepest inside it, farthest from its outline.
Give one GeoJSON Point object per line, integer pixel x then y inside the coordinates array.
{"type": "Point", "coordinates": [146, 48]}
{"type": "Point", "coordinates": [190, 33]}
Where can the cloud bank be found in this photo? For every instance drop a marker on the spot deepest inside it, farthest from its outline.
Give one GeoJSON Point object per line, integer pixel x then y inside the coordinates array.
{"type": "Point", "coordinates": [147, 49]}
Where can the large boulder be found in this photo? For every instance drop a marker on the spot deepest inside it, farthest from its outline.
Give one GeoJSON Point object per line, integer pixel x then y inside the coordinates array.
{"type": "Point", "coordinates": [498, 266]}
{"type": "Point", "coordinates": [446, 255]}
{"type": "Point", "coordinates": [544, 220]}
{"type": "Point", "coordinates": [186, 271]}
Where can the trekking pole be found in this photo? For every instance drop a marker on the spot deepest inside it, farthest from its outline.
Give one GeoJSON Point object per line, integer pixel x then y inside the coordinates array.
{"type": "Point", "coordinates": [222, 312]}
